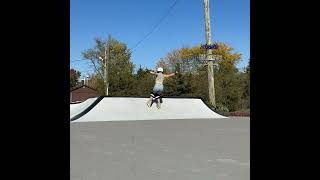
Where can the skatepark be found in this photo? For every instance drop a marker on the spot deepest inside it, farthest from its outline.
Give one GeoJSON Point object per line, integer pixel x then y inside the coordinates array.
{"type": "Point", "coordinates": [163, 48]}
{"type": "Point", "coordinates": [121, 138]}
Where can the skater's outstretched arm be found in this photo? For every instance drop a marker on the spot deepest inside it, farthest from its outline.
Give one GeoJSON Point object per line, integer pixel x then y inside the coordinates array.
{"type": "Point", "coordinates": [169, 75]}
{"type": "Point", "coordinates": [152, 72]}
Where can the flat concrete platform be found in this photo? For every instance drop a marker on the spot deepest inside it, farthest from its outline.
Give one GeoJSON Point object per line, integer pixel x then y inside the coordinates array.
{"type": "Point", "coordinates": [188, 149]}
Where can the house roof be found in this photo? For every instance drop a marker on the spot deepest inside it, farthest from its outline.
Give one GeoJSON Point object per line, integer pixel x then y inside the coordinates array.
{"type": "Point", "coordinates": [78, 87]}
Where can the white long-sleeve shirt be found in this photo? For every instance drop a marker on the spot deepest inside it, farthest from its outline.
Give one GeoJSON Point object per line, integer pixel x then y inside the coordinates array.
{"type": "Point", "coordinates": [160, 78]}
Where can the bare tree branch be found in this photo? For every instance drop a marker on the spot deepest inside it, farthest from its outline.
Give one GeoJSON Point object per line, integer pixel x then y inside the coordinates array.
{"type": "Point", "coordinates": [95, 67]}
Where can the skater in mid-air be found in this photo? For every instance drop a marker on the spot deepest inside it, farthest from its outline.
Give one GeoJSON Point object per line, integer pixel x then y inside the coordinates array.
{"type": "Point", "coordinates": [158, 87]}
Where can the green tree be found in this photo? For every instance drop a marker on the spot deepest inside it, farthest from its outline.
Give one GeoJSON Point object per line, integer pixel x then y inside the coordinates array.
{"type": "Point", "coordinates": [178, 85]}
{"type": "Point", "coordinates": [120, 71]}
{"type": "Point", "coordinates": [96, 82]}
{"type": "Point", "coordinates": [193, 80]}
{"type": "Point", "coordinates": [244, 92]}
{"type": "Point", "coordinates": [143, 82]}
{"type": "Point", "coordinates": [227, 86]}
{"type": "Point", "coordinates": [74, 78]}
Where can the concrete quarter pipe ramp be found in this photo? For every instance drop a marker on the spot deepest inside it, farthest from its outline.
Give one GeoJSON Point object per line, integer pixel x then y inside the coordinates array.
{"type": "Point", "coordinates": [77, 110]}
{"type": "Point", "coordinates": [128, 108]}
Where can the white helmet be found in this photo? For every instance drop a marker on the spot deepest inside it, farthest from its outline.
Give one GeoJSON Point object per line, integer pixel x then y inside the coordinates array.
{"type": "Point", "coordinates": [160, 69]}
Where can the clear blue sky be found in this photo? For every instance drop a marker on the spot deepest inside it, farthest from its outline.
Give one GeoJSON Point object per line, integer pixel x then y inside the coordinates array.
{"type": "Point", "coordinates": [130, 20]}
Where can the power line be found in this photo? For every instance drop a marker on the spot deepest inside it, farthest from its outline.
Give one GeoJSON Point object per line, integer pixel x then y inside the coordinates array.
{"type": "Point", "coordinates": [154, 27]}
{"type": "Point", "coordinates": [78, 60]}
{"type": "Point", "coordinates": [81, 64]}
{"type": "Point", "coordinates": [88, 71]}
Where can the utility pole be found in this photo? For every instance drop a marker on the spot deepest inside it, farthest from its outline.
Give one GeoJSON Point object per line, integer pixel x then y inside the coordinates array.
{"type": "Point", "coordinates": [106, 58]}
{"type": "Point", "coordinates": [107, 66]}
{"type": "Point", "coordinates": [209, 56]}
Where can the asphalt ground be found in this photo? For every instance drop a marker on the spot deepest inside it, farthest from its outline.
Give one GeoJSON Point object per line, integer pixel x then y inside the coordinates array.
{"type": "Point", "coordinates": [206, 149]}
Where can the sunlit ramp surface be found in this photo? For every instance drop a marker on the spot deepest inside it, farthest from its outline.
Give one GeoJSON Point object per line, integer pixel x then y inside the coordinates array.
{"type": "Point", "coordinates": [72, 106]}
{"type": "Point", "coordinates": [127, 109]}
{"type": "Point", "coordinates": [77, 109]}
